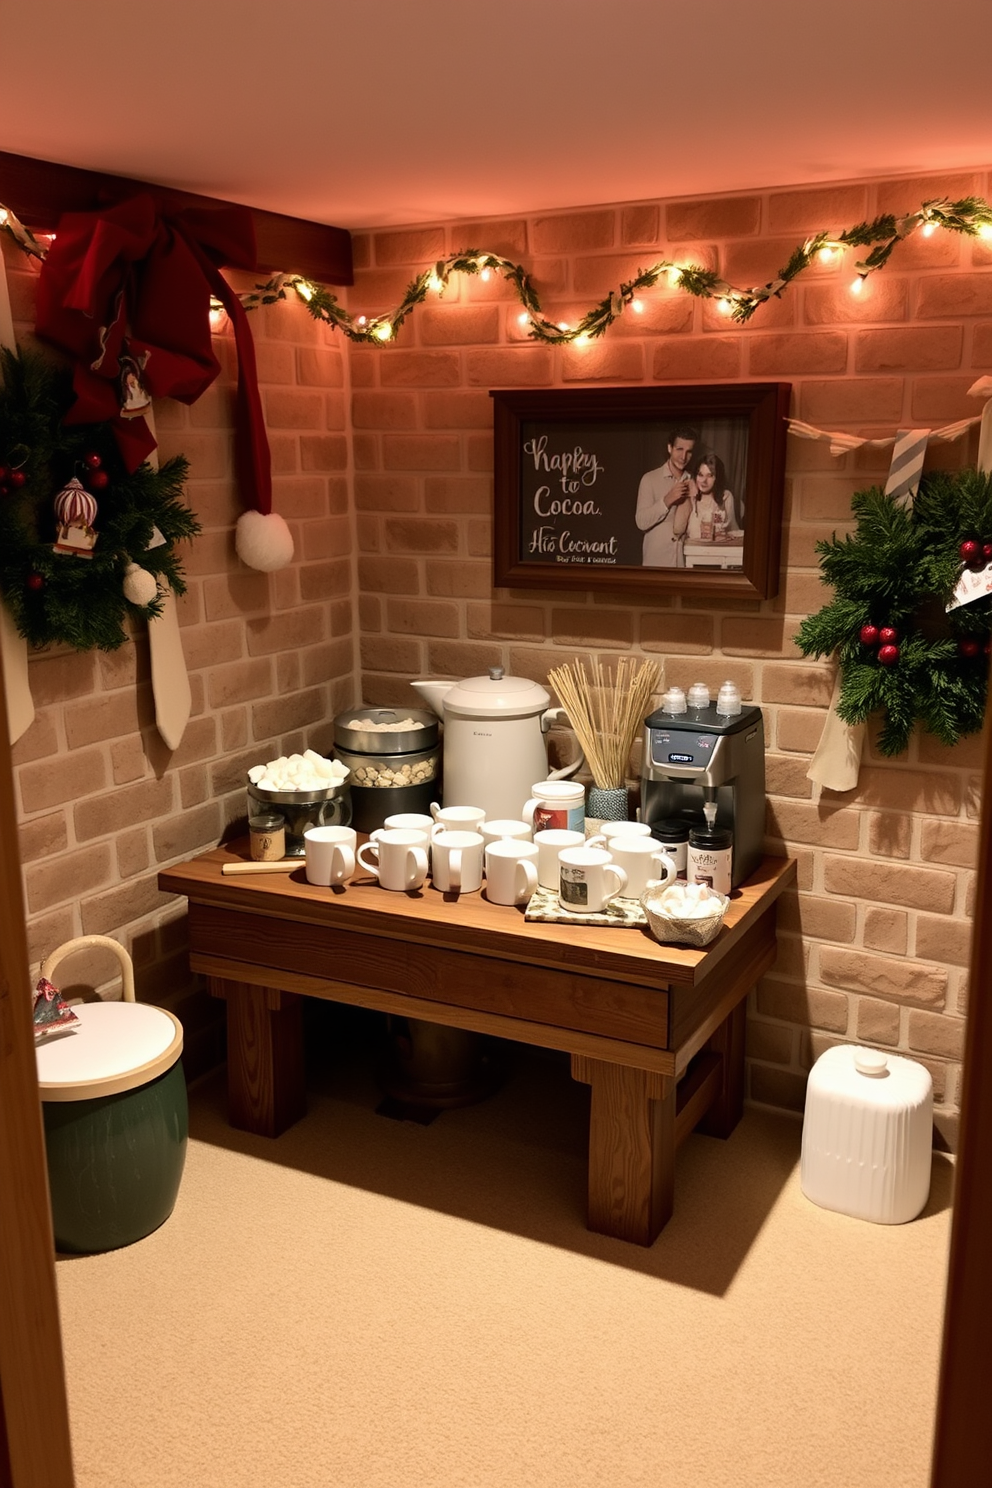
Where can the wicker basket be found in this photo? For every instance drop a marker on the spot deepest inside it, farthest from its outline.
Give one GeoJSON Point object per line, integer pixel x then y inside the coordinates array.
{"type": "Point", "coordinates": [676, 929]}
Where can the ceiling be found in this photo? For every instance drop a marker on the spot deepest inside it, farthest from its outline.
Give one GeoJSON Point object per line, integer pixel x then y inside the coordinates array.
{"type": "Point", "coordinates": [389, 111]}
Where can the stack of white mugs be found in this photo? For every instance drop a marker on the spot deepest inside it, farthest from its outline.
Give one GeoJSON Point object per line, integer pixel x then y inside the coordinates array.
{"type": "Point", "coordinates": [459, 850]}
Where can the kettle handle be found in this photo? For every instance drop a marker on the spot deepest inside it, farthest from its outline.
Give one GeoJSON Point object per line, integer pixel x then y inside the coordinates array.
{"type": "Point", "coordinates": [555, 715]}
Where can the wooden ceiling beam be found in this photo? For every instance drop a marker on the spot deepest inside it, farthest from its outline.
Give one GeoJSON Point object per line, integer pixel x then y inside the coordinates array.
{"type": "Point", "coordinates": [39, 191]}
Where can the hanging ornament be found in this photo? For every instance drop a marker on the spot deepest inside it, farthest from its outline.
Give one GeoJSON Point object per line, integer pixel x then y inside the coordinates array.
{"type": "Point", "coordinates": [140, 587]}
{"type": "Point", "coordinates": [133, 394]}
{"type": "Point", "coordinates": [869, 635]}
{"type": "Point", "coordinates": [36, 582]}
{"type": "Point", "coordinates": [888, 655]}
{"type": "Point", "coordinates": [98, 480]}
{"type": "Point", "coordinates": [76, 511]}
{"type": "Point", "coordinates": [92, 460]}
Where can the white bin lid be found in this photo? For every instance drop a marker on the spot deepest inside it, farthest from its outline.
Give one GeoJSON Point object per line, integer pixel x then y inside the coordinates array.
{"type": "Point", "coordinates": [872, 1076]}
{"type": "Point", "coordinates": [116, 1046]}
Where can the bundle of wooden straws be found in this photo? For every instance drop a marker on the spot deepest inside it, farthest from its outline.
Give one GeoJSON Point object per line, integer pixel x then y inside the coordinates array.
{"type": "Point", "coordinates": [606, 711]}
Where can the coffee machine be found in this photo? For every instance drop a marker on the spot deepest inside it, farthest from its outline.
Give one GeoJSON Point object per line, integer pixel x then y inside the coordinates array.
{"type": "Point", "coordinates": [694, 755]}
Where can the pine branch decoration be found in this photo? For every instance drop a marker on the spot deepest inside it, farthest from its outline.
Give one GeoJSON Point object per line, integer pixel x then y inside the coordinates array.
{"type": "Point", "coordinates": [897, 572]}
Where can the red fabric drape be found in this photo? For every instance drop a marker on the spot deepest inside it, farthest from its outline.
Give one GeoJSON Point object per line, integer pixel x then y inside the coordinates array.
{"type": "Point", "coordinates": [124, 280]}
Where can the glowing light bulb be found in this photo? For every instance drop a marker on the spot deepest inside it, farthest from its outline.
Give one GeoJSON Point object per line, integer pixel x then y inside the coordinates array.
{"type": "Point", "coordinates": [675, 276]}
{"type": "Point", "coordinates": [4, 215]}
{"type": "Point", "coordinates": [563, 325]}
{"type": "Point", "coordinates": [217, 315]}
{"type": "Point", "coordinates": [304, 290]}
{"type": "Point", "coordinates": [487, 273]}
{"type": "Point", "coordinates": [928, 229]}
{"type": "Point", "coordinates": [362, 320]}
{"type": "Point", "coordinates": [985, 231]}
{"type": "Point", "coordinates": [582, 340]}
{"type": "Point", "coordinates": [858, 284]}
{"type": "Point", "coordinates": [827, 254]}
{"type": "Point", "coordinates": [724, 306]}
{"type": "Point", "coordinates": [638, 306]}
{"type": "Point", "coordinates": [523, 319]}
{"type": "Point", "coordinates": [435, 284]}
{"type": "Point", "coordinates": [384, 332]}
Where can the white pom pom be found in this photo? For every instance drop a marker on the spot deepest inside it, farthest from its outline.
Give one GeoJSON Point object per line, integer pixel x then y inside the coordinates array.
{"type": "Point", "coordinates": [263, 542]}
{"type": "Point", "coordinates": [140, 587]}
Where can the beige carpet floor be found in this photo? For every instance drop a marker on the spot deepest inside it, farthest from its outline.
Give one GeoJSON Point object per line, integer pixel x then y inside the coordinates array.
{"type": "Point", "coordinates": [368, 1303]}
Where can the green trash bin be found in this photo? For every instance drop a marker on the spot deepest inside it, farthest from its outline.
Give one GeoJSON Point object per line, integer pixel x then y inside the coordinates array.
{"type": "Point", "coordinates": [116, 1119]}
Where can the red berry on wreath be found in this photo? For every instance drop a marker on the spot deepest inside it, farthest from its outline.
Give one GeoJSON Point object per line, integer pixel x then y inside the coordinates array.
{"type": "Point", "coordinates": [969, 648]}
{"type": "Point", "coordinates": [36, 581]}
{"type": "Point", "coordinates": [970, 551]}
{"type": "Point", "coordinates": [869, 635]}
{"type": "Point", "coordinates": [4, 472]}
{"type": "Point", "coordinates": [99, 480]}
{"type": "Point", "coordinates": [888, 655]}
{"type": "Point", "coordinates": [16, 479]}
{"type": "Point", "coordinates": [93, 461]}
{"type": "Point", "coordinates": [888, 635]}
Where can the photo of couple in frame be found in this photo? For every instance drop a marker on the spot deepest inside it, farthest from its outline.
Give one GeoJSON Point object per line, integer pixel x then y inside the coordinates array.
{"type": "Point", "coordinates": [642, 489]}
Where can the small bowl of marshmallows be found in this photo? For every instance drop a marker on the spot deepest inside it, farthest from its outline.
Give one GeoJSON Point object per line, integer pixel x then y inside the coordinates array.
{"type": "Point", "coordinates": [306, 790]}
{"type": "Point", "coordinates": [684, 913]}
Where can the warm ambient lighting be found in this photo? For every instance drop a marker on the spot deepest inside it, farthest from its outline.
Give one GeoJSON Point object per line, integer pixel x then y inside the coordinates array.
{"type": "Point", "coordinates": [435, 284]}
{"type": "Point", "coordinates": [384, 332]}
{"type": "Point", "coordinates": [928, 229]}
{"type": "Point", "coordinates": [827, 255]}
{"type": "Point", "coordinates": [858, 284]}
{"type": "Point", "coordinates": [218, 316]}
{"type": "Point", "coordinates": [724, 306]}
{"type": "Point", "coordinates": [674, 276]}
{"type": "Point", "coordinates": [563, 325]}
{"type": "Point", "coordinates": [523, 319]}
{"type": "Point", "coordinates": [582, 340]}
{"type": "Point", "coordinates": [638, 306]}
{"type": "Point", "coordinates": [985, 231]}
{"type": "Point", "coordinates": [4, 214]}
{"type": "Point", "coordinates": [304, 290]}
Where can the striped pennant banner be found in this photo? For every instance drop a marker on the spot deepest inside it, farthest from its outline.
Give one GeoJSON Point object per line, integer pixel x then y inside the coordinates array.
{"type": "Point", "coordinates": [907, 465]}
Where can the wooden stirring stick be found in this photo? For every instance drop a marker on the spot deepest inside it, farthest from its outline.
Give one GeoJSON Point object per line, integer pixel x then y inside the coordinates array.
{"type": "Point", "coordinates": [282, 865]}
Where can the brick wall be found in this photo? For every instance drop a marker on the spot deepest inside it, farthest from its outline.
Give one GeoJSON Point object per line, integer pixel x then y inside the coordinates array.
{"type": "Point", "coordinates": [103, 803]}
{"type": "Point", "coordinates": [874, 943]}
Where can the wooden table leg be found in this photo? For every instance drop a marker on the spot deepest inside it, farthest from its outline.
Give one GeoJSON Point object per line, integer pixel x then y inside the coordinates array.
{"type": "Point", "coordinates": [728, 1107]}
{"type": "Point", "coordinates": [631, 1149]}
{"type": "Point", "coordinates": [266, 1087]}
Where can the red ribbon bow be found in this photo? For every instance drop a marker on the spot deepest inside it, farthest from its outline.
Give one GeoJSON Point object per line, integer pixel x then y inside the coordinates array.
{"type": "Point", "coordinates": [124, 281]}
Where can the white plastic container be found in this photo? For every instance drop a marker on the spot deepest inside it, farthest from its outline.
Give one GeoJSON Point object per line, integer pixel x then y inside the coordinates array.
{"type": "Point", "coordinates": [868, 1135]}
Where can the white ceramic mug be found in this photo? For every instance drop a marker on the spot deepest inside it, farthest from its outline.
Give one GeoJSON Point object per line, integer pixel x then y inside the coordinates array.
{"type": "Point", "coordinates": [504, 828]}
{"type": "Point", "coordinates": [644, 861]}
{"type": "Point", "coordinates": [558, 805]}
{"type": "Point", "coordinates": [588, 879]}
{"type": "Point", "coordinates": [404, 821]}
{"type": "Point", "coordinates": [398, 860]}
{"type": "Point", "coordinates": [511, 871]}
{"type": "Point", "coordinates": [457, 818]}
{"type": "Point", "coordinates": [410, 821]}
{"type": "Point", "coordinates": [330, 853]}
{"type": "Point", "coordinates": [610, 829]}
{"type": "Point", "coordinates": [457, 859]}
{"type": "Point", "coordinates": [550, 843]}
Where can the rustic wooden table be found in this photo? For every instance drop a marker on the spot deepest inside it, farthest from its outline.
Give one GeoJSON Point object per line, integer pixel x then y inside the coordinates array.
{"type": "Point", "coordinates": [656, 1031]}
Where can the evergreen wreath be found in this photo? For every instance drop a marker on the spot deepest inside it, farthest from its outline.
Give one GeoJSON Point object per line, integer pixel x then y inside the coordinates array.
{"type": "Point", "coordinates": [58, 597]}
{"type": "Point", "coordinates": [901, 652]}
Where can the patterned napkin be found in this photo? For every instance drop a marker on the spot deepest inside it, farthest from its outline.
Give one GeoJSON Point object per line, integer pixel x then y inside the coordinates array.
{"type": "Point", "coordinates": [543, 905]}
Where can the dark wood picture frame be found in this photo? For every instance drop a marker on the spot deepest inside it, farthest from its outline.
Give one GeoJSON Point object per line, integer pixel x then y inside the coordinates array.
{"type": "Point", "coordinates": [545, 445]}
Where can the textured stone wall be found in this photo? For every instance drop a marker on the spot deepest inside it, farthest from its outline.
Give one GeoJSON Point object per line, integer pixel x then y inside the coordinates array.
{"type": "Point", "coordinates": [874, 943]}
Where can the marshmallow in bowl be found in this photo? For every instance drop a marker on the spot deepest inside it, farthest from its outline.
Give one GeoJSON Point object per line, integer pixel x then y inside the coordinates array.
{"type": "Point", "coordinates": [298, 772]}
{"type": "Point", "coordinates": [689, 901]}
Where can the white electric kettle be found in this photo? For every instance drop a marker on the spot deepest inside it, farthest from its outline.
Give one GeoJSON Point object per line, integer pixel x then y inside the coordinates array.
{"type": "Point", "coordinates": [494, 745]}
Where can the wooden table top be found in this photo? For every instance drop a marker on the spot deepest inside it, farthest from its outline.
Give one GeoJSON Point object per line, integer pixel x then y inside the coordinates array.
{"type": "Point", "coordinates": [469, 922]}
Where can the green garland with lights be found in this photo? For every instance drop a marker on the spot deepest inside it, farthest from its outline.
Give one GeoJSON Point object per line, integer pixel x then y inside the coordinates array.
{"type": "Point", "coordinates": [901, 652]}
{"type": "Point", "coordinates": [971, 215]}
{"type": "Point", "coordinates": [58, 597]}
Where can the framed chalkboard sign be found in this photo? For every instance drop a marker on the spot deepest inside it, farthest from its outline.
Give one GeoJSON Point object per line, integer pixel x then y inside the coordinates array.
{"type": "Point", "coordinates": [649, 489]}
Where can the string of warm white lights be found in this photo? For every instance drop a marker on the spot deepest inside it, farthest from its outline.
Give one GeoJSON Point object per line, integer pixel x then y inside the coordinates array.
{"type": "Point", "coordinates": [972, 216]}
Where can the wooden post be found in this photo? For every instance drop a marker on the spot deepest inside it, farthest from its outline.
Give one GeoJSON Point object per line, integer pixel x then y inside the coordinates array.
{"type": "Point", "coordinates": [631, 1149]}
{"type": "Point", "coordinates": [35, 1450]}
